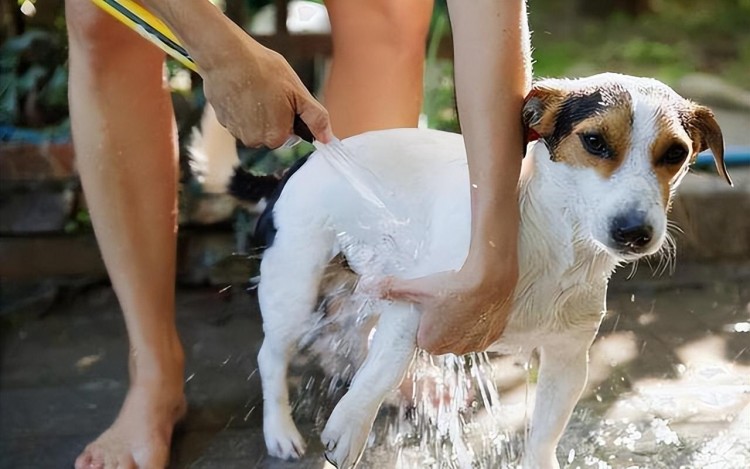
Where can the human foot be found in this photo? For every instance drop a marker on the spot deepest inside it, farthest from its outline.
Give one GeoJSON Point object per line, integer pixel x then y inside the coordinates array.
{"type": "Point", "coordinates": [141, 435]}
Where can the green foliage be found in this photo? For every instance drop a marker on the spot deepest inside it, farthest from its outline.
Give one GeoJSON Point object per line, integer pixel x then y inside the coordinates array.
{"type": "Point", "coordinates": [33, 80]}
{"type": "Point", "coordinates": [439, 92]}
{"type": "Point", "coordinates": [80, 221]}
{"type": "Point", "coordinates": [670, 39]}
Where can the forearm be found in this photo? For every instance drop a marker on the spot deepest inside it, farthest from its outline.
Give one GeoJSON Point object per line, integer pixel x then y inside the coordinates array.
{"type": "Point", "coordinates": [207, 34]}
{"type": "Point", "coordinates": [493, 75]}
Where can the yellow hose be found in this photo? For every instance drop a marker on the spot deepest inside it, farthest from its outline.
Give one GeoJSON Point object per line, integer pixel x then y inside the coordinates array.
{"type": "Point", "coordinates": [149, 26]}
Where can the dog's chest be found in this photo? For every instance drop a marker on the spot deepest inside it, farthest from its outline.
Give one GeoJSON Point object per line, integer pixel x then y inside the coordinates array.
{"type": "Point", "coordinates": [558, 294]}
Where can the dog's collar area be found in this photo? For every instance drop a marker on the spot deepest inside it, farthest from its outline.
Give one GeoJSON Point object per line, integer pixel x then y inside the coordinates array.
{"type": "Point", "coordinates": [532, 136]}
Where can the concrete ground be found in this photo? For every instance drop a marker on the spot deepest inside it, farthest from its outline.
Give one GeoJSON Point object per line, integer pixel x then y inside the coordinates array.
{"type": "Point", "coordinates": [669, 387]}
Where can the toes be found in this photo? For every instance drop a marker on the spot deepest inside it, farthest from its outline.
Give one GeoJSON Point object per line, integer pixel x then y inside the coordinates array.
{"type": "Point", "coordinates": [283, 440]}
{"type": "Point", "coordinates": [96, 460]}
{"type": "Point", "coordinates": [330, 460]}
{"type": "Point", "coordinates": [84, 460]}
{"type": "Point", "coordinates": [341, 450]}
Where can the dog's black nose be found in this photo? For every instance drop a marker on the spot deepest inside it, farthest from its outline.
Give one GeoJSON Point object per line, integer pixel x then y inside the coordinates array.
{"type": "Point", "coordinates": [631, 231]}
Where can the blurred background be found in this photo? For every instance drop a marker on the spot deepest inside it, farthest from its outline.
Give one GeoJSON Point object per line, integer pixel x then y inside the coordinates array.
{"type": "Point", "coordinates": [700, 48]}
{"type": "Point", "coordinates": [671, 377]}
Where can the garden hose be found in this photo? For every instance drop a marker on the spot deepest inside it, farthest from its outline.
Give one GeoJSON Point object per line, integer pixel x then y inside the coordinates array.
{"type": "Point", "coordinates": [149, 26]}
{"type": "Point", "coordinates": [154, 30]}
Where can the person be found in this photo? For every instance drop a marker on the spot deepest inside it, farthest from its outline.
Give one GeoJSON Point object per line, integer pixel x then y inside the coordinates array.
{"type": "Point", "coordinates": [467, 310]}
{"type": "Point", "coordinates": [124, 135]}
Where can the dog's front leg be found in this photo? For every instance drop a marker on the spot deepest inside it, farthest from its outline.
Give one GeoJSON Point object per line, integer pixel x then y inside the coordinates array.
{"type": "Point", "coordinates": [562, 377]}
{"type": "Point", "coordinates": [388, 359]}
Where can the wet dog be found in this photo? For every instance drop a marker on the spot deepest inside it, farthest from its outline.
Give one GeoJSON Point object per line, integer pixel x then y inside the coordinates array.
{"type": "Point", "coordinates": [609, 151]}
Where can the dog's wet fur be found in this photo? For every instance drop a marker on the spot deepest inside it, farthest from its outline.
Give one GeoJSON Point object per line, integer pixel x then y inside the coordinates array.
{"type": "Point", "coordinates": [609, 151]}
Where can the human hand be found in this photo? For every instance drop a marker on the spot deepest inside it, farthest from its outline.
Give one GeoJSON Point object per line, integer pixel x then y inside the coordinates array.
{"type": "Point", "coordinates": [462, 311]}
{"type": "Point", "coordinates": [254, 91]}
{"type": "Point", "coordinates": [257, 94]}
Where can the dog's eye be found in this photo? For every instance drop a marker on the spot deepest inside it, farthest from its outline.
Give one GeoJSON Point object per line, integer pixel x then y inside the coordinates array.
{"type": "Point", "coordinates": [596, 145]}
{"type": "Point", "coordinates": [675, 154]}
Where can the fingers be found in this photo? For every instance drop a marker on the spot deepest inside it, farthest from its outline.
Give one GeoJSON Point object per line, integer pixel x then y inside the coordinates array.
{"type": "Point", "coordinates": [316, 117]}
{"type": "Point", "coordinates": [412, 291]}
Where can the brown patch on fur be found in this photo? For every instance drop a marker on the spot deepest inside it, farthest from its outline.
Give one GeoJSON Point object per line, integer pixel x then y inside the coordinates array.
{"type": "Point", "coordinates": [540, 109]}
{"type": "Point", "coordinates": [614, 125]}
{"type": "Point", "coordinates": [666, 137]}
{"type": "Point", "coordinates": [336, 285]}
{"type": "Point", "coordinates": [703, 128]}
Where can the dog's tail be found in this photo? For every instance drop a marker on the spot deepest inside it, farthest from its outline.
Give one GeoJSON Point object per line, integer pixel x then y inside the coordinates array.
{"type": "Point", "coordinates": [215, 163]}
{"type": "Point", "coordinates": [213, 154]}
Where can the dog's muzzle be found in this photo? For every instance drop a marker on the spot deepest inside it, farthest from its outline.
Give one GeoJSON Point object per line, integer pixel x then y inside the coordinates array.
{"type": "Point", "coordinates": [631, 233]}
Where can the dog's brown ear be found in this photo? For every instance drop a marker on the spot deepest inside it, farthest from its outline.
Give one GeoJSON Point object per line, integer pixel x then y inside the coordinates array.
{"type": "Point", "coordinates": [708, 136]}
{"type": "Point", "coordinates": [540, 109]}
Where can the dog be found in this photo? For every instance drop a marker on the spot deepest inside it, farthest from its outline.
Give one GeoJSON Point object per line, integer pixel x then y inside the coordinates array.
{"type": "Point", "coordinates": [605, 156]}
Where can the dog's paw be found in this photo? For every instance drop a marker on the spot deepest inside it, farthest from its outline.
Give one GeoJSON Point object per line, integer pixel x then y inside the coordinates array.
{"type": "Point", "coordinates": [345, 437]}
{"type": "Point", "coordinates": [283, 440]}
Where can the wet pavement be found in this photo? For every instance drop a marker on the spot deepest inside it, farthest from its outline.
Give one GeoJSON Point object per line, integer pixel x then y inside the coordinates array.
{"type": "Point", "coordinates": [669, 383]}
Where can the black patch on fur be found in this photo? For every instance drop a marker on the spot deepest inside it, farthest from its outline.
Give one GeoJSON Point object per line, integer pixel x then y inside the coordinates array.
{"type": "Point", "coordinates": [576, 108]}
{"type": "Point", "coordinates": [265, 229]}
{"type": "Point", "coordinates": [249, 187]}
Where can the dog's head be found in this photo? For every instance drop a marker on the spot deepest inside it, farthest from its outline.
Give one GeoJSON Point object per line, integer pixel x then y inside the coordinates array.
{"type": "Point", "coordinates": [621, 145]}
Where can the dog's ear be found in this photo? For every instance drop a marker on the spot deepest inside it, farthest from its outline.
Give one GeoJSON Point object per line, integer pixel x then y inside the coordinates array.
{"type": "Point", "coordinates": [539, 111]}
{"type": "Point", "coordinates": [706, 133]}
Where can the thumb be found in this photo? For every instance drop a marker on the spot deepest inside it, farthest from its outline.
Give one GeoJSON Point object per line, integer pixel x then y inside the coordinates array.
{"type": "Point", "coordinates": [411, 290]}
{"type": "Point", "coordinates": [316, 117]}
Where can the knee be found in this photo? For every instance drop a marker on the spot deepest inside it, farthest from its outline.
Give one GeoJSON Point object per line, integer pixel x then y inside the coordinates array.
{"type": "Point", "coordinates": [99, 39]}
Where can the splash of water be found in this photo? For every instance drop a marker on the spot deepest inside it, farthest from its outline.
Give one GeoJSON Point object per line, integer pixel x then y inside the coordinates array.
{"type": "Point", "coordinates": [453, 418]}
{"type": "Point", "coordinates": [447, 414]}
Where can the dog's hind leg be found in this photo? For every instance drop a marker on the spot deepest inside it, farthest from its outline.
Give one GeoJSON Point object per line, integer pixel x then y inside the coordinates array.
{"type": "Point", "coordinates": [291, 273]}
{"type": "Point", "coordinates": [388, 359]}
{"type": "Point", "coordinates": [562, 377]}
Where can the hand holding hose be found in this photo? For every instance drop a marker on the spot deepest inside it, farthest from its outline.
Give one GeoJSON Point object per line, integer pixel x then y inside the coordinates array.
{"type": "Point", "coordinates": [255, 93]}
{"type": "Point", "coordinates": [261, 100]}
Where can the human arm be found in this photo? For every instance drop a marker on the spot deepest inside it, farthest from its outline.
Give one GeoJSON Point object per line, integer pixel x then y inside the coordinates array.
{"type": "Point", "coordinates": [467, 310]}
{"type": "Point", "coordinates": [254, 91]}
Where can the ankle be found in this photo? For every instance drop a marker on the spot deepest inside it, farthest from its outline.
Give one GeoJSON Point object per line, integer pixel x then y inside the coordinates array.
{"type": "Point", "coordinates": [160, 367]}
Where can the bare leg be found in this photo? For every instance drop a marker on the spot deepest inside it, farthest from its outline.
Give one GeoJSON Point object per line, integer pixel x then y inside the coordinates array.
{"type": "Point", "coordinates": [124, 135]}
{"type": "Point", "coordinates": [378, 64]}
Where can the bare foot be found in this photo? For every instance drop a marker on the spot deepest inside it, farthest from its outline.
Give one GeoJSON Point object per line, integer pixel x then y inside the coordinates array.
{"type": "Point", "coordinates": [141, 435]}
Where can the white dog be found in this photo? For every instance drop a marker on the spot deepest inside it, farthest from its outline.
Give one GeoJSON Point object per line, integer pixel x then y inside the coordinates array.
{"type": "Point", "coordinates": [594, 192]}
